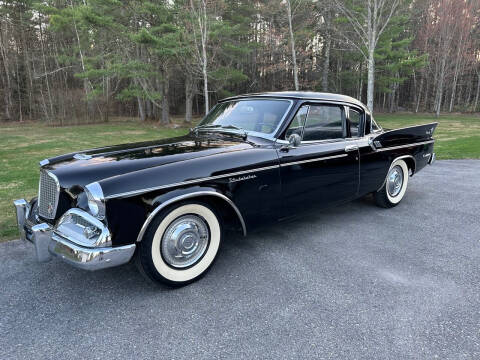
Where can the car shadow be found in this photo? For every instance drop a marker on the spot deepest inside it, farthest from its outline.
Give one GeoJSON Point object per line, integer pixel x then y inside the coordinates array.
{"type": "Point", "coordinates": [126, 279]}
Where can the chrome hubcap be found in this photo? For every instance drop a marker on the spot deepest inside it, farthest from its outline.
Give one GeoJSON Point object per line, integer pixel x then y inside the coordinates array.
{"type": "Point", "coordinates": [185, 241]}
{"type": "Point", "coordinates": [395, 181]}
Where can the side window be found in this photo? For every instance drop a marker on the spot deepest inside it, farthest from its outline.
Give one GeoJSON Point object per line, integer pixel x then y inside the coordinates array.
{"type": "Point", "coordinates": [324, 122]}
{"type": "Point", "coordinates": [297, 123]}
{"type": "Point", "coordinates": [354, 120]}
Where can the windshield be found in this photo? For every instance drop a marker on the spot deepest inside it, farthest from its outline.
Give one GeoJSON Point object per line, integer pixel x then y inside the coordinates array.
{"type": "Point", "coordinates": [258, 115]}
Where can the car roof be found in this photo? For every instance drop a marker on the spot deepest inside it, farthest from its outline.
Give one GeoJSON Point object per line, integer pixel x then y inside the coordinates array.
{"type": "Point", "coordinates": [301, 95]}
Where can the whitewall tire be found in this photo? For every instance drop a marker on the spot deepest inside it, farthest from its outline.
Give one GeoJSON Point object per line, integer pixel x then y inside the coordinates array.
{"type": "Point", "coordinates": [395, 185]}
{"type": "Point", "coordinates": [180, 244]}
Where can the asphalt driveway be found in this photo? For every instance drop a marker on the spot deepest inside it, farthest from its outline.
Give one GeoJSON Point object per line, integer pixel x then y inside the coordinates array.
{"type": "Point", "coordinates": [355, 281]}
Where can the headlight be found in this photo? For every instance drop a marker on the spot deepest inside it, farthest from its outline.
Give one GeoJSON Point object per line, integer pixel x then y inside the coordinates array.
{"type": "Point", "coordinates": [83, 229]}
{"type": "Point", "coordinates": [96, 201]}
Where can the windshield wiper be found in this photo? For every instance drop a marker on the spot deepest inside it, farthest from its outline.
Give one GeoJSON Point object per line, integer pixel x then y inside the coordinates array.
{"type": "Point", "coordinates": [232, 127]}
{"type": "Point", "coordinates": [223, 128]}
{"type": "Point", "coordinates": [206, 126]}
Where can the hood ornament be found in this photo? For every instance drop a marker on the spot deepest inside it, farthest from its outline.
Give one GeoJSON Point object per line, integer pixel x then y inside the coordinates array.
{"type": "Point", "coordinates": [81, 156]}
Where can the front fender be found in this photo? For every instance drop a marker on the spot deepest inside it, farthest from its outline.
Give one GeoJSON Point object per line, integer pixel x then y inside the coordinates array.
{"type": "Point", "coordinates": [160, 202]}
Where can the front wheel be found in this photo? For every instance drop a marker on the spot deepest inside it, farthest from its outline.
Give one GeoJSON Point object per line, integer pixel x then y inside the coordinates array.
{"type": "Point", "coordinates": [395, 186]}
{"type": "Point", "coordinates": [180, 244]}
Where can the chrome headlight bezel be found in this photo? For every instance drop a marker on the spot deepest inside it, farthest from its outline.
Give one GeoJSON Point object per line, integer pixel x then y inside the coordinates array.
{"type": "Point", "coordinates": [95, 200]}
{"type": "Point", "coordinates": [82, 228]}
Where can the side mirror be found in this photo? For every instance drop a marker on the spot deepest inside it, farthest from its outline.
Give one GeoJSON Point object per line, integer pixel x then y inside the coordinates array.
{"type": "Point", "coordinates": [294, 140]}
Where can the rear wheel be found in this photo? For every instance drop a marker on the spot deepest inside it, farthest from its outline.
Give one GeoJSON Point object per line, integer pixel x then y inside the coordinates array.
{"type": "Point", "coordinates": [395, 186]}
{"type": "Point", "coordinates": [180, 244]}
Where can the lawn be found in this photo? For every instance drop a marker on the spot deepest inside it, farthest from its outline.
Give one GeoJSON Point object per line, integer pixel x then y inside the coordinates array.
{"type": "Point", "coordinates": [458, 136]}
{"type": "Point", "coordinates": [22, 146]}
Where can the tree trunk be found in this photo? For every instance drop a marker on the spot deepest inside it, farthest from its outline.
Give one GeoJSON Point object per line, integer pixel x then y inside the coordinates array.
{"type": "Point", "coordinates": [148, 109]}
{"type": "Point", "coordinates": [7, 91]}
{"type": "Point", "coordinates": [165, 100]}
{"type": "Point", "coordinates": [141, 110]}
{"type": "Point", "coordinates": [371, 79]}
{"type": "Point", "coordinates": [326, 64]}
{"type": "Point", "coordinates": [292, 44]}
{"type": "Point", "coordinates": [477, 95]}
{"type": "Point", "coordinates": [372, 35]}
{"type": "Point", "coordinates": [189, 94]}
{"type": "Point", "coordinates": [455, 77]}
{"type": "Point", "coordinates": [204, 34]}
{"type": "Point", "coordinates": [439, 92]}
{"type": "Point", "coordinates": [419, 95]}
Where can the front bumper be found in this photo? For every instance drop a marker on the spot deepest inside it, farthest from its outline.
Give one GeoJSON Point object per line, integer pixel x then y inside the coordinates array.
{"type": "Point", "coordinates": [48, 242]}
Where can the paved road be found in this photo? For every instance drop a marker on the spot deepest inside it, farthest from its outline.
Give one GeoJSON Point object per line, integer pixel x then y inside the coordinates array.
{"type": "Point", "coordinates": [351, 282]}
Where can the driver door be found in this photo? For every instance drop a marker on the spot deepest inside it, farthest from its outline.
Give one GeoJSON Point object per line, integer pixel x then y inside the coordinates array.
{"type": "Point", "coordinates": [324, 168]}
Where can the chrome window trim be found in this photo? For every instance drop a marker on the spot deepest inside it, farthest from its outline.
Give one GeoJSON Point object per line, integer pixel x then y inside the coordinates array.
{"type": "Point", "coordinates": [361, 125]}
{"type": "Point", "coordinates": [269, 136]}
{"type": "Point", "coordinates": [307, 102]}
{"type": "Point", "coordinates": [307, 106]}
{"type": "Point", "coordinates": [324, 141]}
{"type": "Point", "coordinates": [296, 98]}
{"type": "Point", "coordinates": [187, 196]}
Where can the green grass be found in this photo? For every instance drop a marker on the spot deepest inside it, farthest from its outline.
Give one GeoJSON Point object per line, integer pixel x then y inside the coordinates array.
{"type": "Point", "coordinates": [22, 146]}
{"type": "Point", "coordinates": [457, 136]}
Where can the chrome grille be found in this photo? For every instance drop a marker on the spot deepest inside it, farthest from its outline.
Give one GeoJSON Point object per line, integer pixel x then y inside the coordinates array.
{"type": "Point", "coordinates": [48, 192]}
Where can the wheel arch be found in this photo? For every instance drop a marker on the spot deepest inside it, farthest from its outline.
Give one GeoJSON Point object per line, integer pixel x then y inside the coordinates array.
{"type": "Point", "coordinates": [409, 160]}
{"type": "Point", "coordinates": [211, 196]}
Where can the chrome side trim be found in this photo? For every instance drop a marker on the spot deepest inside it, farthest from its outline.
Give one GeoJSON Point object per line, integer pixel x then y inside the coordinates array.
{"type": "Point", "coordinates": [313, 160]}
{"type": "Point", "coordinates": [188, 196]}
{"type": "Point", "coordinates": [208, 178]}
{"type": "Point", "coordinates": [406, 145]}
{"type": "Point", "coordinates": [189, 182]}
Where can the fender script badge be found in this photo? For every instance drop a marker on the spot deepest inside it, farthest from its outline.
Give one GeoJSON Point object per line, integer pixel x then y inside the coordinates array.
{"type": "Point", "coordinates": [241, 178]}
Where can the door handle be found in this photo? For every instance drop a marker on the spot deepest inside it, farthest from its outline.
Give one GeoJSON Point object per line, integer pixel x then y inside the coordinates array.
{"type": "Point", "coordinates": [351, 148]}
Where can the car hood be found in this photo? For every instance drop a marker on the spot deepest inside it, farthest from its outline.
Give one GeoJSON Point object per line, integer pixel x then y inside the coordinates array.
{"type": "Point", "coordinates": [84, 167]}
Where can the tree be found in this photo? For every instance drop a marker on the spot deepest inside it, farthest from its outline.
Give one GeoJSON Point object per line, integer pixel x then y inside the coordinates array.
{"type": "Point", "coordinates": [367, 23]}
{"type": "Point", "coordinates": [200, 29]}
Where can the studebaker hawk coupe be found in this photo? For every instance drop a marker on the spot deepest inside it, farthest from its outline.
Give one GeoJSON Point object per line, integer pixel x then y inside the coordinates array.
{"type": "Point", "coordinates": [254, 158]}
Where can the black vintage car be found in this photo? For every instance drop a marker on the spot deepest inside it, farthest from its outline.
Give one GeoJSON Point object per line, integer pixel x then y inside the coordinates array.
{"type": "Point", "coordinates": [253, 159]}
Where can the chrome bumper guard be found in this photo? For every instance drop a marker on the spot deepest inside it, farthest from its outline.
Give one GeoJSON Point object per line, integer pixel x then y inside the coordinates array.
{"type": "Point", "coordinates": [48, 242]}
{"type": "Point", "coordinates": [432, 159]}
